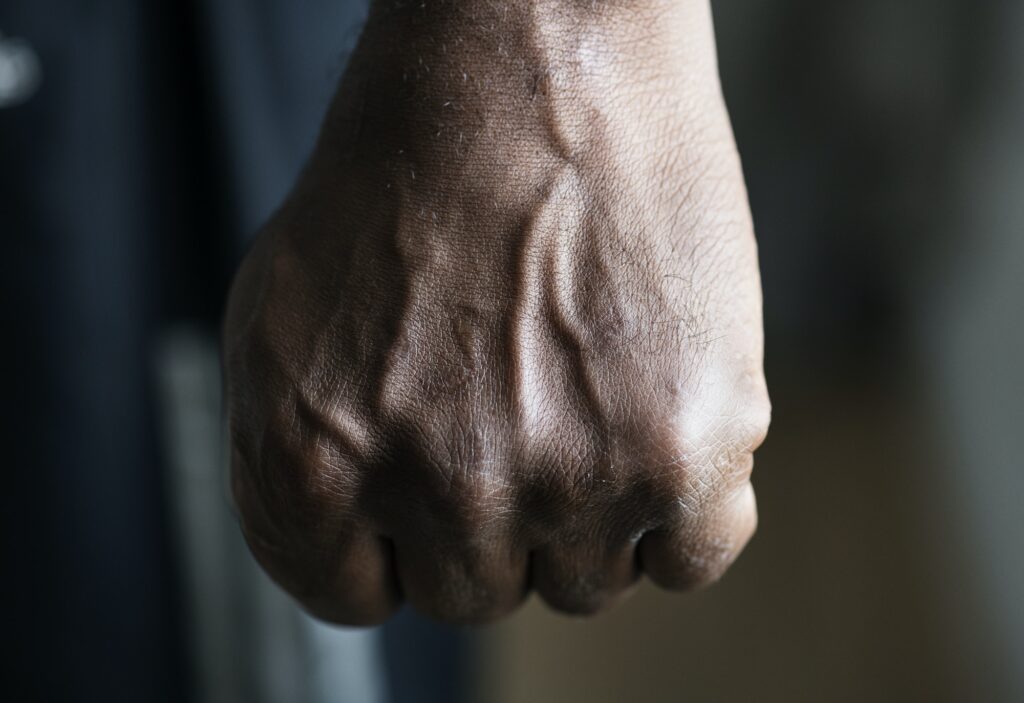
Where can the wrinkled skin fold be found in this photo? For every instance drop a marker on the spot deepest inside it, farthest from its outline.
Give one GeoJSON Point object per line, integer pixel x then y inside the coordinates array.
{"type": "Point", "coordinates": [505, 334]}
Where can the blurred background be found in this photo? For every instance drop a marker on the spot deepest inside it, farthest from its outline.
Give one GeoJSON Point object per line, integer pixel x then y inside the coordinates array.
{"type": "Point", "coordinates": [141, 145]}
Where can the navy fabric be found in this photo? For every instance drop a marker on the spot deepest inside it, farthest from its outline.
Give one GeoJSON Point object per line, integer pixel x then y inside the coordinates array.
{"type": "Point", "coordinates": [91, 602]}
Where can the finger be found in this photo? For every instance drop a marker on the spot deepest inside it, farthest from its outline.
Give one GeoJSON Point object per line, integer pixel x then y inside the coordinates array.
{"type": "Point", "coordinates": [695, 549]}
{"type": "Point", "coordinates": [362, 587]}
{"type": "Point", "coordinates": [461, 581]}
{"type": "Point", "coordinates": [354, 584]}
{"type": "Point", "coordinates": [584, 577]}
{"type": "Point", "coordinates": [335, 566]}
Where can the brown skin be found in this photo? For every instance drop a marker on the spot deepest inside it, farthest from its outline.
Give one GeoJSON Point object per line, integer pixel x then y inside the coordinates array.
{"type": "Point", "coordinates": [506, 332]}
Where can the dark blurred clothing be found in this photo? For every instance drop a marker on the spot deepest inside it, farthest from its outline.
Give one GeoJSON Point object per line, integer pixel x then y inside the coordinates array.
{"type": "Point", "coordinates": [162, 135]}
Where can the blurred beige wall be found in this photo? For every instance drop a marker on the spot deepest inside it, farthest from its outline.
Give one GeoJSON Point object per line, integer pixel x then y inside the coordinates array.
{"type": "Point", "coordinates": [834, 600]}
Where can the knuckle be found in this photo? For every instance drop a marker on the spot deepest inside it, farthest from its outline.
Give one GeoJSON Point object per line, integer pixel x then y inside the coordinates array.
{"type": "Point", "coordinates": [349, 582]}
{"type": "Point", "coordinates": [583, 574]}
{"type": "Point", "coordinates": [709, 457]}
{"type": "Point", "coordinates": [293, 500]}
{"type": "Point", "coordinates": [579, 594]}
{"type": "Point", "coordinates": [700, 572]}
{"type": "Point", "coordinates": [466, 589]}
{"type": "Point", "coordinates": [738, 421]}
{"type": "Point", "coordinates": [750, 427]}
{"type": "Point", "coordinates": [355, 582]}
{"type": "Point", "coordinates": [707, 563]}
{"type": "Point", "coordinates": [696, 567]}
{"type": "Point", "coordinates": [697, 554]}
{"type": "Point", "coordinates": [479, 608]}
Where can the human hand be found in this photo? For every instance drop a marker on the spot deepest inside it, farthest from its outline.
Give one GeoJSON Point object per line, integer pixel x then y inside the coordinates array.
{"type": "Point", "coordinates": [506, 332]}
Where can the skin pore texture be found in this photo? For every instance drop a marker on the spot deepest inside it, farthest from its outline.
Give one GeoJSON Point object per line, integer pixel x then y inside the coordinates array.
{"type": "Point", "coordinates": [505, 334]}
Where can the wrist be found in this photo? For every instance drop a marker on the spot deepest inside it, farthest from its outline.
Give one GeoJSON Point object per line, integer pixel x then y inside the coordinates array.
{"type": "Point", "coordinates": [480, 97]}
{"type": "Point", "coordinates": [452, 61]}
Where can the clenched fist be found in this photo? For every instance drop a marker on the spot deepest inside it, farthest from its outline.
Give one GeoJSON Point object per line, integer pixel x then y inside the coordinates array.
{"type": "Point", "coordinates": [505, 334]}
